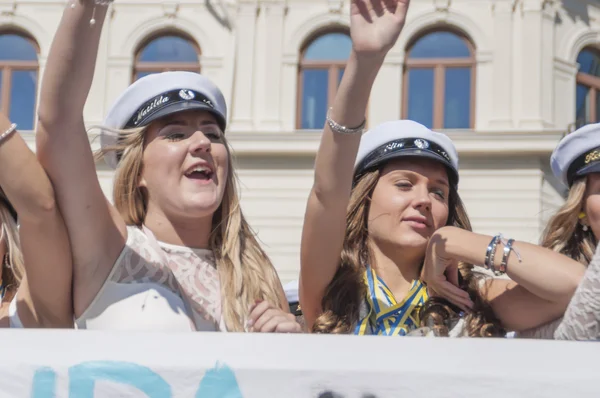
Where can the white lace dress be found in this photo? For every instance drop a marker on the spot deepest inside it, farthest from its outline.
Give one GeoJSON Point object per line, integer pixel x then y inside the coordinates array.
{"type": "Point", "coordinates": [157, 286]}
{"type": "Point", "coordinates": [582, 318]}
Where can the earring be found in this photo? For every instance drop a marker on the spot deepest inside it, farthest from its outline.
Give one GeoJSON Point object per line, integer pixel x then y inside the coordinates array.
{"type": "Point", "coordinates": [583, 226]}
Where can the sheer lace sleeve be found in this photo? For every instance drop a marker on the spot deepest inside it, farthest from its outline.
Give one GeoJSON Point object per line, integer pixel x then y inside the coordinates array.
{"type": "Point", "coordinates": [545, 331]}
{"type": "Point", "coordinates": [582, 318]}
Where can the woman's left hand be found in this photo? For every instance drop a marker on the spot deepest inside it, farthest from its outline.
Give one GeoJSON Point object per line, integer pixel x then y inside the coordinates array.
{"type": "Point", "coordinates": [440, 271]}
{"type": "Point", "coordinates": [266, 318]}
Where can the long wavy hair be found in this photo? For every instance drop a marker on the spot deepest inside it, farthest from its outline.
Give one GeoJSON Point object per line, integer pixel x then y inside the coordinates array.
{"type": "Point", "coordinates": [246, 272]}
{"type": "Point", "coordinates": [564, 233]}
{"type": "Point", "coordinates": [13, 269]}
{"type": "Point", "coordinates": [347, 291]}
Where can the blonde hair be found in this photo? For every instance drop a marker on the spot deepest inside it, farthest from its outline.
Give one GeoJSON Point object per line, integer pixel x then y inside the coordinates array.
{"type": "Point", "coordinates": [13, 270]}
{"type": "Point", "coordinates": [346, 292]}
{"type": "Point", "coordinates": [564, 233]}
{"type": "Point", "coordinates": [246, 272]}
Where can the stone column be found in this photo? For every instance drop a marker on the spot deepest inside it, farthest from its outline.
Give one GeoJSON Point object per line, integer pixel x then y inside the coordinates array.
{"type": "Point", "coordinates": [535, 60]}
{"type": "Point", "coordinates": [242, 99]}
{"type": "Point", "coordinates": [271, 73]}
{"type": "Point", "coordinates": [502, 43]}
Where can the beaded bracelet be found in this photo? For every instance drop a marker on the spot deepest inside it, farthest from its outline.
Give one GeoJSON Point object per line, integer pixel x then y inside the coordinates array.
{"type": "Point", "coordinates": [338, 128]}
{"type": "Point", "coordinates": [8, 132]}
{"type": "Point", "coordinates": [102, 3]}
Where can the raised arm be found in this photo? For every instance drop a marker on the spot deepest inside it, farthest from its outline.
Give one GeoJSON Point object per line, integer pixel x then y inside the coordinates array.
{"type": "Point", "coordinates": [44, 296]}
{"type": "Point", "coordinates": [540, 287]}
{"type": "Point", "coordinates": [374, 27]}
{"type": "Point", "coordinates": [96, 231]}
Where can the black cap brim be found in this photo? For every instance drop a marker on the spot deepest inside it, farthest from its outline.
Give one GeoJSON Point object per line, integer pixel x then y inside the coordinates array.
{"type": "Point", "coordinates": [182, 106]}
{"type": "Point", "coordinates": [589, 169]}
{"type": "Point", "coordinates": [414, 153]}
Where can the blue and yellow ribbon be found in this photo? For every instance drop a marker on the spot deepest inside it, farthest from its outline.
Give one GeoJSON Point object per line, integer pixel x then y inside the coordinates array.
{"type": "Point", "coordinates": [385, 316]}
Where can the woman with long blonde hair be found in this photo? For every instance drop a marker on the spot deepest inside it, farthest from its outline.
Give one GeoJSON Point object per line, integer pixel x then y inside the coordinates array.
{"type": "Point", "coordinates": [385, 227]}
{"type": "Point", "coordinates": [175, 251]}
{"type": "Point", "coordinates": [575, 229]}
{"type": "Point", "coordinates": [35, 274]}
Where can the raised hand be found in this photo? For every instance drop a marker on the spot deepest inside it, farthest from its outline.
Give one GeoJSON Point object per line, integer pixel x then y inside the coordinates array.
{"type": "Point", "coordinates": [376, 24]}
{"type": "Point", "coordinates": [440, 273]}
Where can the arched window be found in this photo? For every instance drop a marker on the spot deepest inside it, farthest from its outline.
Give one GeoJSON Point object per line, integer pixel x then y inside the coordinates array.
{"type": "Point", "coordinates": [18, 78]}
{"type": "Point", "coordinates": [322, 64]}
{"type": "Point", "coordinates": [167, 52]}
{"type": "Point", "coordinates": [587, 108]}
{"type": "Point", "coordinates": [439, 81]}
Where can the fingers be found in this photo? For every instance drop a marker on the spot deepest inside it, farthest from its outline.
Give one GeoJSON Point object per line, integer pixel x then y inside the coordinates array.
{"type": "Point", "coordinates": [281, 323]}
{"type": "Point", "coordinates": [455, 295]}
{"type": "Point", "coordinates": [289, 327]}
{"type": "Point", "coordinates": [363, 8]}
{"type": "Point", "coordinates": [367, 8]}
{"type": "Point", "coordinates": [265, 321]}
{"type": "Point", "coordinates": [256, 311]}
{"type": "Point", "coordinates": [401, 7]}
{"type": "Point", "coordinates": [264, 318]}
{"type": "Point", "coordinates": [379, 6]}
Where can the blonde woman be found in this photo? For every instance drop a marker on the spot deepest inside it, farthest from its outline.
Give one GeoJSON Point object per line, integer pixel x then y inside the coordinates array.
{"type": "Point", "coordinates": [385, 209]}
{"type": "Point", "coordinates": [36, 259]}
{"type": "Point", "coordinates": [174, 252]}
{"type": "Point", "coordinates": [575, 229]}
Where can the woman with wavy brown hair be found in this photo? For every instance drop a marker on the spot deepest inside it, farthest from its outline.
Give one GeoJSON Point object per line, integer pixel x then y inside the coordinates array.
{"type": "Point", "coordinates": [384, 217]}
{"type": "Point", "coordinates": [174, 252]}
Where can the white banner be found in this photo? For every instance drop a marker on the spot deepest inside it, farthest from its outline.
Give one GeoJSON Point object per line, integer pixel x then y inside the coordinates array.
{"type": "Point", "coordinates": [87, 364]}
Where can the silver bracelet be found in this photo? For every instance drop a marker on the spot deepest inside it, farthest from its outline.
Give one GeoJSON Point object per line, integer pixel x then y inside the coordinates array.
{"type": "Point", "coordinates": [498, 239]}
{"type": "Point", "coordinates": [8, 132]}
{"type": "Point", "coordinates": [338, 128]}
{"type": "Point", "coordinates": [508, 247]}
{"type": "Point", "coordinates": [491, 252]}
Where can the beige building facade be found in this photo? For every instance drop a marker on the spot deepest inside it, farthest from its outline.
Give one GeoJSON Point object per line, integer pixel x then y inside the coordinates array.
{"type": "Point", "coordinates": [500, 77]}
